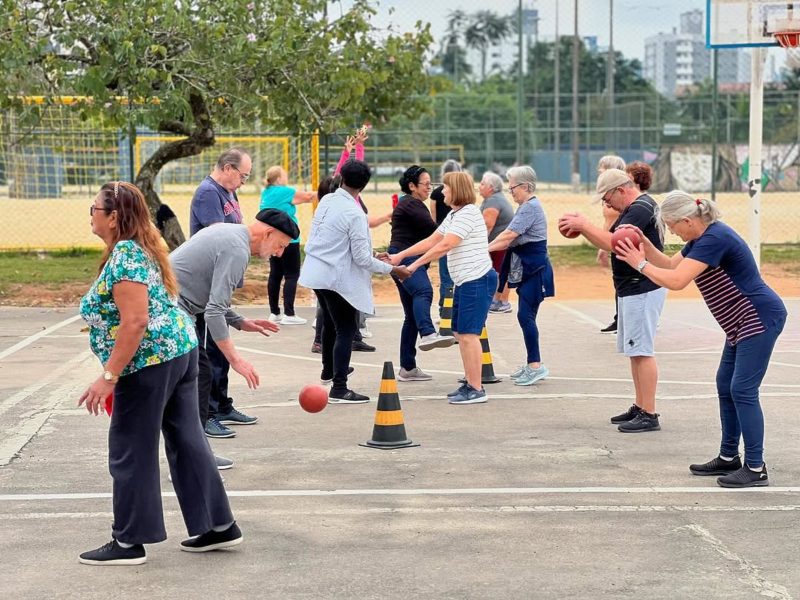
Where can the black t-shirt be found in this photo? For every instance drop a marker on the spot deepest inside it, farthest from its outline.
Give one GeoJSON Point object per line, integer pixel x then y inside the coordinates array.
{"type": "Point", "coordinates": [641, 213]}
{"type": "Point", "coordinates": [442, 209]}
{"type": "Point", "coordinates": [411, 223]}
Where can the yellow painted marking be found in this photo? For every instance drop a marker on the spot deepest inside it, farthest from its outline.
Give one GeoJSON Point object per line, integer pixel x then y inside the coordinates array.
{"type": "Point", "coordinates": [388, 386]}
{"type": "Point", "coordinates": [487, 358]}
{"type": "Point", "coordinates": [484, 334]}
{"type": "Point", "coordinates": [448, 302]}
{"type": "Point", "coordinates": [445, 323]}
{"type": "Point", "coordinates": [388, 417]}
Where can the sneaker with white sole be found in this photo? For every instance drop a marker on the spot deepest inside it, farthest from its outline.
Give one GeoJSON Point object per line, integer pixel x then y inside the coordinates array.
{"type": "Point", "coordinates": [415, 374]}
{"type": "Point", "coordinates": [214, 540]}
{"type": "Point", "coordinates": [274, 318]}
{"type": "Point", "coordinates": [215, 429]}
{"type": "Point", "coordinates": [365, 332]}
{"type": "Point", "coordinates": [469, 395]}
{"type": "Point", "coordinates": [518, 371]}
{"type": "Point", "coordinates": [112, 554]}
{"type": "Point", "coordinates": [234, 417]}
{"type": "Point", "coordinates": [434, 340]}
{"type": "Point", "coordinates": [293, 320]}
{"type": "Point", "coordinates": [348, 397]}
{"type": "Point", "coordinates": [222, 463]}
{"type": "Point", "coordinates": [532, 375]}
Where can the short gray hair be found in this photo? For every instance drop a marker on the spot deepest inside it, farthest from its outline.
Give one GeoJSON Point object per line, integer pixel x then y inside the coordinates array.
{"type": "Point", "coordinates": [679, 205]}
{"type": "Point", "coordinates": [493, 180]}
{"type": "Point", "coordinates": [523, 174]}
{"type": "Point", "coordinates": [611, 161]}
{"type": "Point", "coordinates": [451, 166]}
{"type": "Point", "coordinates": [232, 157]}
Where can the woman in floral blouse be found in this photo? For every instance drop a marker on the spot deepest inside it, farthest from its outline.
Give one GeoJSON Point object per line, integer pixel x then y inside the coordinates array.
{"type": "Point", "coordinates": [148, 349]}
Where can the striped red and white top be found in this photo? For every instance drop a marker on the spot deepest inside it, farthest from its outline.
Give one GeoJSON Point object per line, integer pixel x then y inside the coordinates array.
{"type": "Point", "coordinates": [731, 308]}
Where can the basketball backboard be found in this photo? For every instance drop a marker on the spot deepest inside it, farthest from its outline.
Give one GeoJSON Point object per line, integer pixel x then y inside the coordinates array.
{"type": "Point", "coordinates": [748, 23]}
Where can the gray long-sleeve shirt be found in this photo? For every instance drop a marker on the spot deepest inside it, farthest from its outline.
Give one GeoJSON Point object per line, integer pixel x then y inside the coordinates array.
{"type": "Point", "coordinates": [209, 265]}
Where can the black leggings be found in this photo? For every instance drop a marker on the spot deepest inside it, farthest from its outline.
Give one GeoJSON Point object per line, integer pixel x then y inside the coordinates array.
{"type": "Point", "coordinates": [340, 324]}
{"type": "Point", "coordinates": [284, 267]}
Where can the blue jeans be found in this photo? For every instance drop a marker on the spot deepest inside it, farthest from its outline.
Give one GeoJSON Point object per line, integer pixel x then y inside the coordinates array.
{"type": "Point", "coordinates": [416, 296]}
{"type": "Point", "coordinates": [741, 369]}
{"type": "Point", "coordinates": [445, 281]}
{"type": "Point", "coordinates": [526, 316]}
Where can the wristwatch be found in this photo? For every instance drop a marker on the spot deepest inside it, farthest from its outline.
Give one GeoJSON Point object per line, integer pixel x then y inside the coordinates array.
{"type": "Point", "coordinates": [110, 377]}
{"type": "Point", "coordinates": [642, 265]}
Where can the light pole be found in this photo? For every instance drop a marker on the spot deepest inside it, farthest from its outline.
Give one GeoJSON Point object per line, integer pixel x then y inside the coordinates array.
{"type": "Point", "coordinates": [576, 174]}
{"type": "Point", "coordinates": [520, 89]}
{"type": "Point", "coordinates": [557, 100]}
{"type": "Point", "coordinates": [612, 120]}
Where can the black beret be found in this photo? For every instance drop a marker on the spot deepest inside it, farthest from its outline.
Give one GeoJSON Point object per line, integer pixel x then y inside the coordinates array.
{"type": "Point", "coordinates": [280, 221]}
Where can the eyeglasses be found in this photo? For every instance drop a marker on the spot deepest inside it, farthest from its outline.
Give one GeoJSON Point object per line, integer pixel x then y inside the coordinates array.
{"type": "Point", "coordinates": [243, 176]}
{"type": "Point", "coordinates": [606, 197]}
{"type": "Point", "coordinates": [512, 187]}
{"type": "Point", "coordinates": [94, 207]}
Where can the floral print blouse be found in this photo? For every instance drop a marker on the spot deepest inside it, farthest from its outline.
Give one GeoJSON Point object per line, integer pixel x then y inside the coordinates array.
{"type": "Point", "coordinates": [170, 331]}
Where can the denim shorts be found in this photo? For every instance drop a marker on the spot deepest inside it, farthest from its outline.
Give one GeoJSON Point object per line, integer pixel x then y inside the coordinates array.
{"type": "Point", "coordinates": [471, 302]}
{"type": "Point", "coordinates": [637, 320]}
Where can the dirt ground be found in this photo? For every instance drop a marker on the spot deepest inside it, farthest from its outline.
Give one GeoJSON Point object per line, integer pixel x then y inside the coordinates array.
{"type": "Point", "coordinates": [572, 283]}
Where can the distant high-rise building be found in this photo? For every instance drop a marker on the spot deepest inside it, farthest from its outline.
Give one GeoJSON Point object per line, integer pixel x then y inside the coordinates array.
{"type": "Point", "coordinates": [674, 61]}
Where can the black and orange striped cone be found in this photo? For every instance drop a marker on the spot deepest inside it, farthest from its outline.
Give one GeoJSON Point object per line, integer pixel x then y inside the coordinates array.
{"type": "Point", "coordinates": [487, 369]}
{"type": "Point", "coordinates": [446, 316]}
{"type": "Point", "coordinates": [389, 431]}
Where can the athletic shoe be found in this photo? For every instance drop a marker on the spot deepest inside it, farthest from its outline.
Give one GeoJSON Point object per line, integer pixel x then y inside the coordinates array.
{"type": "Point", "coordinates": [349, 397]}
{"type": "Point", "coordinates": [274, 318]}
{"type": "Point", "coordinates": [519, 371]}
{"type": "Point", "coordinates": [360, 346]}
{"type": "Point", "coordinates": [215, 429]}
{"type": "Point", "coordinates": [234, 417]}
{"type": "Point", "coordinates": [293, 320]}
{"type": "Point", "coordinates": [114, 554]}
{"type": "Point", "coordinates": [223, 463]}
{"type": "Point", "coordinates": [501, 307]}
{"type": "Point", "coordinates": [316, 348]}
{"type": "Point", "coordinates": [745, 477]}
{"type": "Point", "coordinates": [628, 415]}
{"type": "Point", "coordinates": [329, 380]}
{"type": "Point", "coordinates": [494, 306]}
{"type": "Point", "coordinates": [531, 376]}
{"type": "Point", "coordinates": [458, 391]}
{"type": "Point", "coordinates": [717, 466]}
{"type": "Point", "coordinates": [365, 332]}
{"type": "Point", "coordinates": [434, 340]}
{"type": "Point", "coordinates": [415, 374]}
{"type": "Point", "coordinates": [214, 540]}
{"type": "Point", "coordinates": [314, 323]}
{"type": "Point", "coordinates": [610, 328]}
{"type": "Point", "coordinates": [642, 422]}
{"type": "Point", "coordinates": [469, 395]}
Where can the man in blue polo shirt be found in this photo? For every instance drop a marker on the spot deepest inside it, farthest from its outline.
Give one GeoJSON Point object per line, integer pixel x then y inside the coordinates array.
{"type": "Point", "coordinates": [215, 201]}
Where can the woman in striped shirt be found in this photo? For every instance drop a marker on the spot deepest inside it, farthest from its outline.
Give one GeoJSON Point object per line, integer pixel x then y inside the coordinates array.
{"type": "Point", "coordinates": [463, 238]}
{"type": "Point", "coordinates": [750, 313]}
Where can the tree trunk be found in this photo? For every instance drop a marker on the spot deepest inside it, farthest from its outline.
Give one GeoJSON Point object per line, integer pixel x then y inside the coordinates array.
{"type": "Point", "coordinates": [196, 141]}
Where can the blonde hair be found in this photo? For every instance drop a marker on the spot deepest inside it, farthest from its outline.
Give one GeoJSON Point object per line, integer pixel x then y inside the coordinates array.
{"type": "Point", "coordinates": [133, 223]}
{"type": "Point", "coordinates": [679, 205]}
{"type": "Point", "coordinates": [273, 174]}
{"type": "Point", "coordinates": [462, 188]}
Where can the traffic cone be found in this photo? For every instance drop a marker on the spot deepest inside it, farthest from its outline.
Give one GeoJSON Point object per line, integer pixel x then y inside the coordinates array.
{"type": "Point", "coordinates": [446, 318]}
{"type": "Point", "coordinates": [389, 431]}
{"type": "Point", "coordinates": [487, 370]}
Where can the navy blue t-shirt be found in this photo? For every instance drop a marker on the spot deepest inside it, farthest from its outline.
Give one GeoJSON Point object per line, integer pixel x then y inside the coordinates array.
{"type": "Point", "coordinates": [732, 286]}
{"type": "Point", "coordinates": [211, 204]}
{"type": "Point", "coordinates": [641, 213]}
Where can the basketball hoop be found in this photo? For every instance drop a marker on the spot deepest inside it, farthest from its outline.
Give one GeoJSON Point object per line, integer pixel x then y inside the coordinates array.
{"type": "Point", "coordinates": [789, 38]}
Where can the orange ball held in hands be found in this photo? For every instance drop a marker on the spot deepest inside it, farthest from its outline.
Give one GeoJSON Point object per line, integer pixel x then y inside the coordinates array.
{"type": "Point", "coordinates": [567, 232]}
{"type": "Point", "coordinates": [625, 233]}
{"type": "Point", "coordinates": [313, 398]}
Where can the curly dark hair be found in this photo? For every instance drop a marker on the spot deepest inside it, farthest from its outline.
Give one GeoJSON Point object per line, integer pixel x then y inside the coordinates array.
{"type": "Point", "coordinates": [411, 175]}
{"type": "Point", "coordinates": [641, 173]}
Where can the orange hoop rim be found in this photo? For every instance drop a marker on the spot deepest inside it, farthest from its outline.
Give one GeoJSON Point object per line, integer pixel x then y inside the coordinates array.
{"type": "Point", "coordinates": [789, 38]}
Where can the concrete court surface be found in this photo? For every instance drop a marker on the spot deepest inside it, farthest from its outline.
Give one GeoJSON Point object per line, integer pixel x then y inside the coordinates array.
{"type": "Point", "coordinates": [532, 495]}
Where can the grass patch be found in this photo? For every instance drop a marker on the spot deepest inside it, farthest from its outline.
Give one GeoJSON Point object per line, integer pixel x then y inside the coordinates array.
{"type": "Point", "coordinates": [50, 269]}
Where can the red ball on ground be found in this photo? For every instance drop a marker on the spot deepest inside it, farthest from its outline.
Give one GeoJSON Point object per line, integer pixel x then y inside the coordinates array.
{"type": "Point", "coordinates": [313, 398]}
{"type": "Point", "coordinates": [625, 233]}
{"type": "Point", "coordinates": [567, 232]}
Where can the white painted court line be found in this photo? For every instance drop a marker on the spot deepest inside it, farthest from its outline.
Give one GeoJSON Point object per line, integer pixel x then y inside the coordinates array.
{"type": "Point", "coordinates": [576, 313]}
{"type": "Point", "coordinates": [522, 491]}
{"type": "Point", "coordinates": [29, 340]}
{"type": "Point", "coordinates": [747, 573]}
{"type": "Point", "coordinates": [783, 364]}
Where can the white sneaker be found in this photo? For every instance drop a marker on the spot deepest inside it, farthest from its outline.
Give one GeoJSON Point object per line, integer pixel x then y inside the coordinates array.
{"type": "Point", "coordinates": [434, 340]}
{"type": "Point", "coordinates": [415, 374]}
{"type": "Point", "coordinates": [274, 318]}
{"type": "Point", "coordinates": [293, 320]}
{"type": "Point", "coordinates": [365, 332]}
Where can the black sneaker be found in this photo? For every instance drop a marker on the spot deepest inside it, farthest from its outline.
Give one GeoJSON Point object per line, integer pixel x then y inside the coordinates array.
{"type": "Point", "coordinates": [348, 397]}
{"type": "Point", "coordinates": [642, 422]}
{"type": "Point", "coordinates": [610, 328]}
{"type": "Point", "coordinates": [316, 348]}
{"type": "Point", "coordinates": [628, 415]}
{"type": "Point", "coordinates": [745, 477]}
{"type": "Point", "coordinates": [361, 346]}
{"type": "Point", "coordinates": [717, 466]}
{"type": "Point", "coordinates": [114, 554]}
{"type": "Point", "coordinates": [214, 540]}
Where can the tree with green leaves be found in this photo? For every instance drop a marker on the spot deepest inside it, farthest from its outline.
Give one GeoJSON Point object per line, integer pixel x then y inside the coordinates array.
{"type": "Point", "coordinates": [191, 68]}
